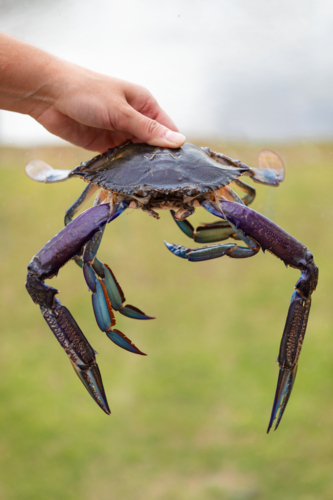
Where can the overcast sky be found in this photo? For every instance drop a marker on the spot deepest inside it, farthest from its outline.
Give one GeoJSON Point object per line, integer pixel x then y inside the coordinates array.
{"type": "Point", "coordinates": [239, 69]}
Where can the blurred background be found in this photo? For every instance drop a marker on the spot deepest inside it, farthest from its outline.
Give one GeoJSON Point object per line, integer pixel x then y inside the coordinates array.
{"type": "Point", "coordinates": [189, 420]}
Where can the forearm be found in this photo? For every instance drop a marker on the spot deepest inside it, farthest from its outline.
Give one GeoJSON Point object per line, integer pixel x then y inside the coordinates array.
{"type": "Point", "coordinates": [27, 83]}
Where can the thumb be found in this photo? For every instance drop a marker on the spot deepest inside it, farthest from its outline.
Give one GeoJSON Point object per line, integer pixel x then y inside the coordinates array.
{"type": "Point", "coordinates": [152, 132]}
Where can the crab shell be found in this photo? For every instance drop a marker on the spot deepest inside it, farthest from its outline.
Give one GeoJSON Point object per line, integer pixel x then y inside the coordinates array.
{"type": "Point", "coordinates": [159, 178]}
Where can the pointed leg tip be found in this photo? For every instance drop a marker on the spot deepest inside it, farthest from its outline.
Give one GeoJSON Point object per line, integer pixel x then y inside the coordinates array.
{"type": "Point", "coordinates": [105, 408]}
{"type": "Point", "coordinates": [270, 426]}
{"type": "Point", "coordinates": [134, 313]}
{"type": "Point", "coordinates": [177, 250]}
{"type": "Point", "coordinates": [283, 390]}
{"type": "Point", "coordinates": [118, 338]}
{"type": "Point", "coordinates": [91, 378]}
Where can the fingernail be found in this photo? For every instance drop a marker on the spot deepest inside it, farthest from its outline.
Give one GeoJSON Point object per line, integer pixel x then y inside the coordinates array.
{"type": "Point", "coordinates": [175, 138]}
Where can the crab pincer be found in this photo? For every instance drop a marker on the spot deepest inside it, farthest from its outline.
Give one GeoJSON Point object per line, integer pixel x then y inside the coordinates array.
{"type": "Point", "coordinates": [292, 338]}
{"type": "Point", "coordinates": [46, 264]}
{"type": "Point", "coordinates": [256, 231]}
{"type": "Point", "coordinates": [82, 232]}
{"type": "Point", "coordinates": [294, 254]}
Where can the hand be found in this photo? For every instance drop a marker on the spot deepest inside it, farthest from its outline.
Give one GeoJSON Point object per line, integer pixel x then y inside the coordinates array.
{"type": "Point", "coordinates": [98, 112]}
{"type": "Point", "coordinates": [88, 109]}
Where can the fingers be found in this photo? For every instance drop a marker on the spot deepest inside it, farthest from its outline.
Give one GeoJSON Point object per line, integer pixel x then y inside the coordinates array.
{"type": "Point", "coordinates": [151, 131]}
{"type": "Point", "coordinates": [108, 112]}
{"type": "Point", "coordinates": [162, 118]}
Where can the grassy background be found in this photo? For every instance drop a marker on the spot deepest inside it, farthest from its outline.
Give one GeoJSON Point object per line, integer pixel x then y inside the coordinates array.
{"type": "Point", "coordinates": [189, 420]}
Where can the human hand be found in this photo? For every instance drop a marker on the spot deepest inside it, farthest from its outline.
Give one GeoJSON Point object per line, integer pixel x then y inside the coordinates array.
{"type": "Point", "coordinates": [98, 112]}
{"type": "Point", "coordinates": [88, 109]}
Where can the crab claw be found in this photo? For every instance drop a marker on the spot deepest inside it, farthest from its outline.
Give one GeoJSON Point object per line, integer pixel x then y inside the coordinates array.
{"type": "Point", "coordinates": [91, 378]}
{"type": "Point", "coordinates": [78, 349]}
{"type": "Point", "coordinates": [292, 340]}
{"type": "Point", "coordinates": [283, 390]}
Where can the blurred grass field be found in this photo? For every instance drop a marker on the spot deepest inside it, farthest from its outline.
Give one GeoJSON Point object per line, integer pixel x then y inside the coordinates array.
{"type": "Point", "coordinates": [189, 420]}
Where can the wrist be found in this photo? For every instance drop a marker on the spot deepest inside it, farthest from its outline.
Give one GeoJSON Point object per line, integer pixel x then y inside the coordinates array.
{"type": "Point", "coordinates": [28, 77]}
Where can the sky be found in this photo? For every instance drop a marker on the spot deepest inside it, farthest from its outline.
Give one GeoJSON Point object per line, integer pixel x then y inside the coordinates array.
{"type": "Point", "coordinates": [233, 69]}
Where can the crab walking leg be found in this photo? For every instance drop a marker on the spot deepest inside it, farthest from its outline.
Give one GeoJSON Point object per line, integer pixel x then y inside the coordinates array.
{"type": "Point", "coordinates": [106, 294]}
{"type": "Point", "coordinates": [210, 252]}
{"type": "Point", "coordinates": [115, 293]}
{"type": "Point", "coordinates": [250, 192]}
{"type": "Point", "coordinates": [46, 264]}
{"type": "Point", "coordinates": [93, 269]}
{"type": "Point", "coordinates": [208, 233]}
{"type": "Point", "coordinates": [216, 231]}
{"type": "Point", "coordinates": [84, 196]}
{"type": "Point", "coordinates": [293, 253]}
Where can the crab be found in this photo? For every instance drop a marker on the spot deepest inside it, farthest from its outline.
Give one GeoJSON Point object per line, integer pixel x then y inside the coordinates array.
{"type": "Point", "coordinates": [179, 180]}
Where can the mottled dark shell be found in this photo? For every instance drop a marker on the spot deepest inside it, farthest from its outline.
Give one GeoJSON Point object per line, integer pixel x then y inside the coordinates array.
{"type": "Point", "coordinates": [143, 170]}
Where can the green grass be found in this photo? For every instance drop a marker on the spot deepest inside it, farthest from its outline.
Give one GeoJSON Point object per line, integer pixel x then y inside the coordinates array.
{"type": "Point", "coordinates": [189, 420]}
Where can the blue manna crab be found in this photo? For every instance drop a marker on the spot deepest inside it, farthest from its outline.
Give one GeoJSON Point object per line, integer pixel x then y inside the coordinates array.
{"type": "Point", "coordinates": [179, 180]}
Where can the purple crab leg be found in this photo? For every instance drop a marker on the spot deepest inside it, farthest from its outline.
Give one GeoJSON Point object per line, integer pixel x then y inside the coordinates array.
{"type": "Point", "coordinates": [46, 264]}
{"type": "Point", "coordinates": [253, 228]}
{"type": "Point", "coordinates": [114, 292]}
{"type": "Point", "coordinates": [293, 253]}
{"type": "Point", "coordinates": [75, 207]}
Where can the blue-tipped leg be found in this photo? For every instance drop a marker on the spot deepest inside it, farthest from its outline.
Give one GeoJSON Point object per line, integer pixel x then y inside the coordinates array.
{"type": "Point", "coordinates": [183, 225]}
{"type": "Point", "coordinates": [210, 252]}
{"type": "Point", "coordinates": [207, 233]}
{"type": "Point", "coordinates": [107, 293]}
{"type": "Point", "coordinates": [104, 312]}
{"type": "Point", "coordinates": [114, 292]}
{"type": "Point", "coordinates": [134, 313]}
{"type": "Point", "coordinates": [177, 250]}
{"type": "Point", "coordinates": [122, 341]}
{"type": "Point", "coordinates": [102, 307]}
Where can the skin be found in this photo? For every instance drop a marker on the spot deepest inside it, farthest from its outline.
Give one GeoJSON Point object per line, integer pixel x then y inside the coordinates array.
{"type": "Point", "coordinates": [88, 109]}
